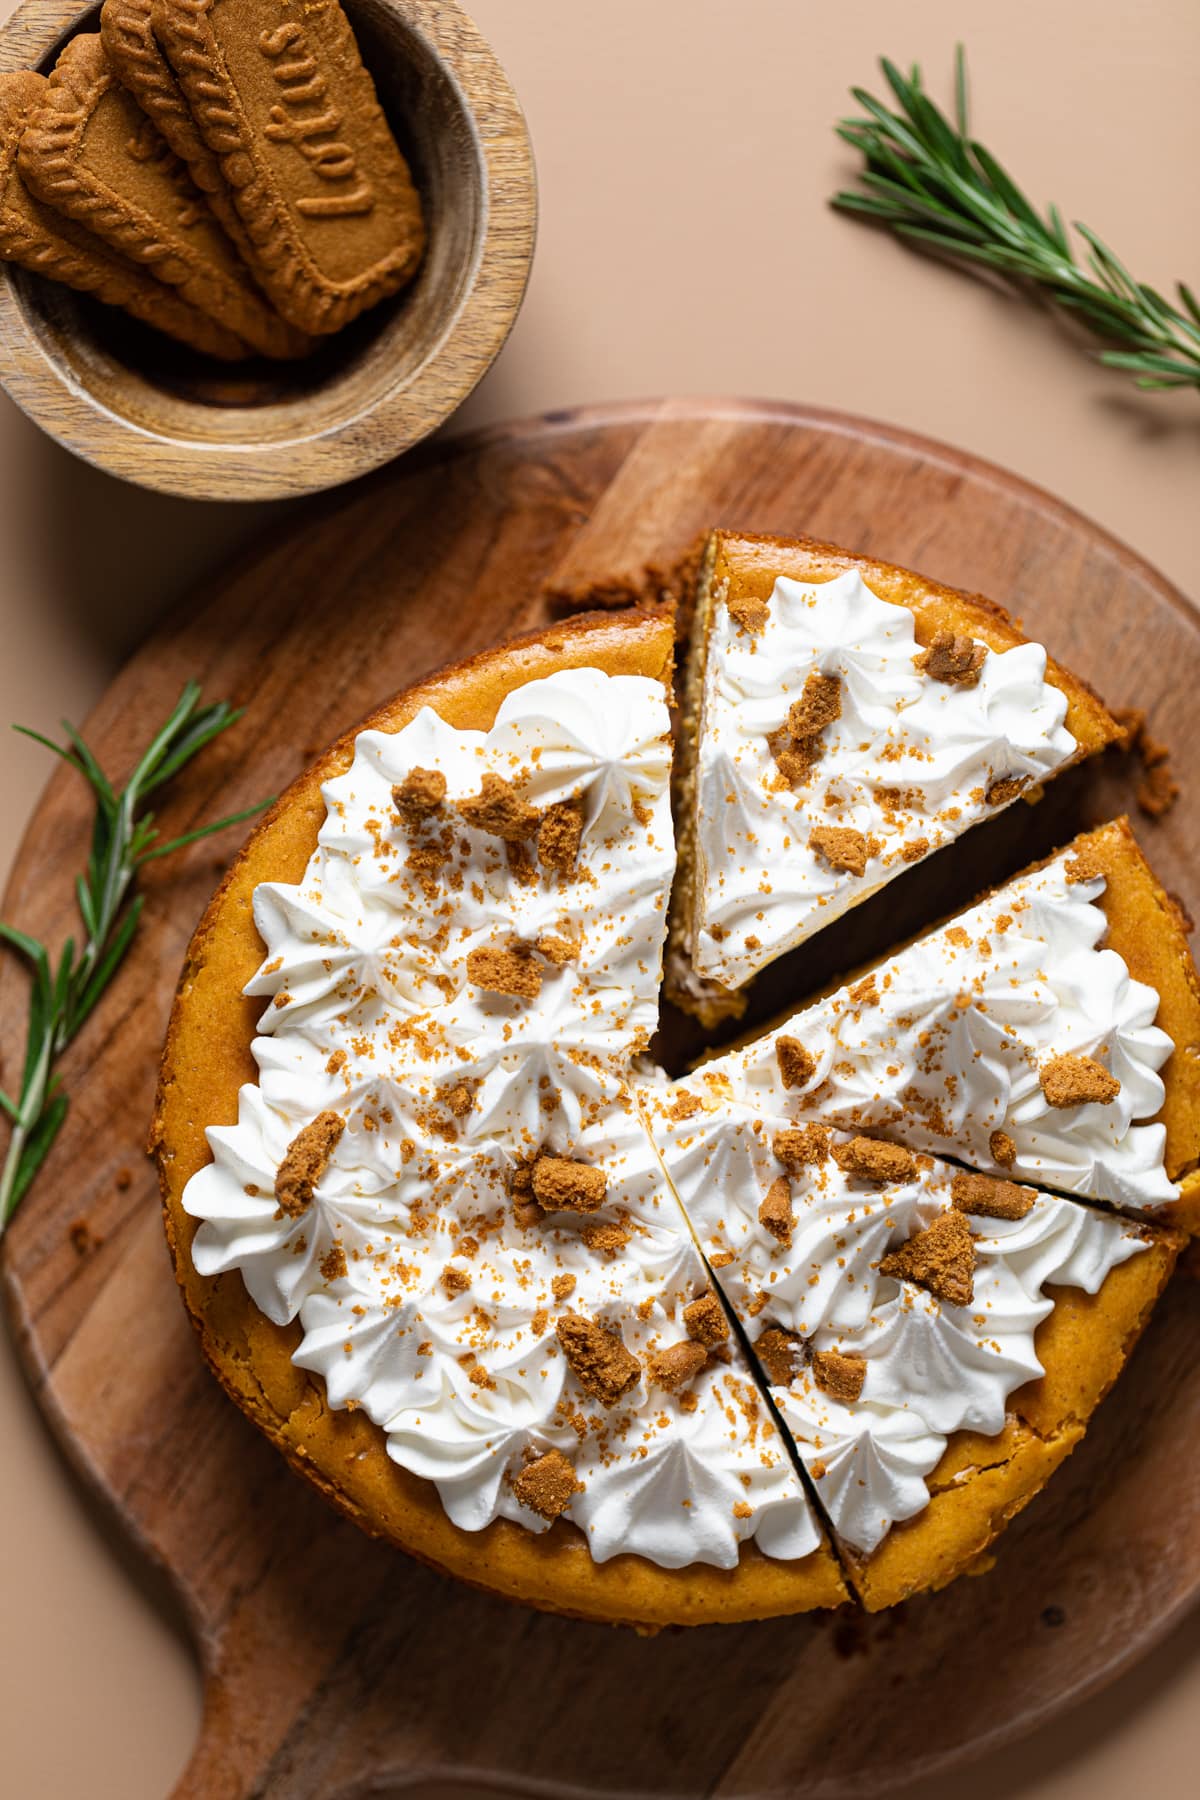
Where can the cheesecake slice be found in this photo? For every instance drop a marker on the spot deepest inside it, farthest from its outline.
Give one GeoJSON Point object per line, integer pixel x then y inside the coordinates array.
{"type": "Point", "coordinates": [1049, 1033]}
{"type": "Point", "coordinates": [843, 719]}
{"type": "Point", "coordinates": [934, 1339]}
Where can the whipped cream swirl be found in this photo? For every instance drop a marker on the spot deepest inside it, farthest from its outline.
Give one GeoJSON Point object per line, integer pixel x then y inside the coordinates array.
{"type": "Point", "coordinates": [425, 1292]}
{"type": "Point", "coordinates": [909, 763]}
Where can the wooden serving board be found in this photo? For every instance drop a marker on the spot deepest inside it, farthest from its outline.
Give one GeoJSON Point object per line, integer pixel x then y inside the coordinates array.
{"type": "Point", "coordinates": [335, 1666]}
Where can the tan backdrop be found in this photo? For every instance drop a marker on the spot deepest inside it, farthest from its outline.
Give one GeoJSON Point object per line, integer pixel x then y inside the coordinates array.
{"type": "Point", "coordinates": [685, 151]}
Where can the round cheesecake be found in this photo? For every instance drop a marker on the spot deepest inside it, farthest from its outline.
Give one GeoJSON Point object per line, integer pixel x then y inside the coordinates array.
{"type": "Point", "coordinates": [640, 1351]}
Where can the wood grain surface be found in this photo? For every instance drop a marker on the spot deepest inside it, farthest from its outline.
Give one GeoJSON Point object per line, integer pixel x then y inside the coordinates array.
{"type": "Point", "coordinates": [333, 1665]}
{"type": "Point", "coordinates": [140, 406]}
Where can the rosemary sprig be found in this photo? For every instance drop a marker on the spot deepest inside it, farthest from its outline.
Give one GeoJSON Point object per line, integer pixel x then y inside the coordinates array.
{"type": "Point", "coordinates": [124, 840]}
{"type": "Point", "coordinates": [929, 181]}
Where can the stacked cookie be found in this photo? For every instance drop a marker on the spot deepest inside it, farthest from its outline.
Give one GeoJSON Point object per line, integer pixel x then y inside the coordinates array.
{"type": "Point", "coordinates": [220, 169]}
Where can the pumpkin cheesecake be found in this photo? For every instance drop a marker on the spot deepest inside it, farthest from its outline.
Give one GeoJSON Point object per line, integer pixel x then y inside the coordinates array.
{"type": "Point", "coordinates": [645, 1352]}
{"type": "Point", "coordinates": [844, 719]}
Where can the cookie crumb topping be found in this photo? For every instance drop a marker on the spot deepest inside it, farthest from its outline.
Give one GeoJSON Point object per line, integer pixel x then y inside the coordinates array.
{"type": "Point", "coordinates": [873, 1160]}
{"type": "Point", "coordinates": [820, 703]}
{"type": "Point", "coordinates": [599, 1359]}
{"type": "Point", "coordinates": [419, 795]}
{"type": "Point", "coordinates": [559, 835]}
{"type": "Point", "coordinates": [560, 1184]}
{"type": "Point", "coordinates": [1077, 1081]}
{"type": "Point", "coordinates": [775, 1210]}
{"type": "Point", "coordinates": [547, 1484]}
{"type": "Point", "coordinates": [796, 1064]}
{"type": "Point", "coordinates": [990, 1198]}
{"type": "Point", "coordinates": [704, 1320]}
{"type": "Point", "coordinates": [305, 1161]}
{"type": "Point", "coordinates": [500, 810]}
{"type": "Point", "coordinates": [940, 1259]}
{"type": "Point", "coordinates": [1003, 1149]}
{"type": "Point", "coordinates": [801, 1146]}
{"type": "Point", "coordinates": [841, 1377]}
{"type": "Point", "coordinates": [952, 657]}
{"type": "Point", "coordinates": [780, 1352]}
{"type": "Point", "coordinates": [512, 971]}
{"type": "Point", "coordinates": [676, 1366]}
{"type": "Point", "coordinates": [749, 613]}
{"type": "Point", "coordinates": [842, 848]}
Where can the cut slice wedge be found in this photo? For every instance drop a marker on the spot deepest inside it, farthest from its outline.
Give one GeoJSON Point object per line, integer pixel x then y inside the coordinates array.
{"type": "Point", "coordinates": [843, 719]}
{"type": "Point", "coordinates": [1049, 1033]}
{"type": "Point", "coordinates": [934, 1341]}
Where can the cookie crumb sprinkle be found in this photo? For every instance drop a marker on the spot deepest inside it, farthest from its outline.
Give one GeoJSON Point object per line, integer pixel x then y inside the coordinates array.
{"type": "Point", "coordinates": [600, 1361]}
{"type": "Point", "coordinates": [1077, 1081]}
{"type": "Point", "coordinates": [841, 1377]}
{"type": "Point", "coordinates": [990, 1198]}
{"type": "Point", "coordinates": [547, 1485]}
{"type": "Point", "coordinates": [305, 1161]}
{"type": "Point", "coordinates": [941, 1259]}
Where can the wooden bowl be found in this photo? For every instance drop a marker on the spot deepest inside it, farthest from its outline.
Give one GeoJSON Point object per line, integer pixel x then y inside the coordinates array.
{"type": "Point", "coordinates": [138, 405]}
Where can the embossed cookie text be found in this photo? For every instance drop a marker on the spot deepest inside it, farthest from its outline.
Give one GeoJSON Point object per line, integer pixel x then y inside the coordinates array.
{"type": "Point", "coordinates": [307, 120]}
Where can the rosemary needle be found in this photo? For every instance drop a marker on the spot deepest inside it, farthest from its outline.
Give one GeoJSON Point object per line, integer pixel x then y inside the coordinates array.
{"type": "Point", "coordinates": [925, 178]}
{"type": "Point", "coordinates": [124, 839]}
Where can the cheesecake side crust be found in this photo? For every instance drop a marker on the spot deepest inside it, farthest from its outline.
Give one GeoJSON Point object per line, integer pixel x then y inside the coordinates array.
{"type": "Point", "coordinates": [205, 1061]}
{"type": "Point", "coordinates": [981, 1483]}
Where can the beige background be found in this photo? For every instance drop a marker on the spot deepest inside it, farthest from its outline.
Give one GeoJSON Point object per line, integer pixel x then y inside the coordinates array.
{"type": "Point", "coordinates": [685, 152]}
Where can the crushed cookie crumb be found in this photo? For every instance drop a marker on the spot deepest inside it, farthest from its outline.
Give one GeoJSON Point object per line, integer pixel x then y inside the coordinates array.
{"type": "Point", "coordinates": [941, 1259]}
{"type": "Point", "coordinates": [801, 1146]}
{"type": "Point", "coordinates": [1003, 1149]}
{"type": "Point", "coordinates": [606, 1237]}
{"type": "Point", "coordinates": [952, 657]}
{"type": "Point", "coordinates": [780, 1353]}
{"type": "Point", "coordinates": [742, 1510]}
{"type": "Point", "coordinates": [841, 1377]}
{"type": "Point", "coordinates": [1085, 865]}
{"type": "Point", "coordinates": [560, 1184]}
{"type": "Point", "coordinates": [749, 613]}
{"type": "Point", "coordinates": [455, 1281]}
{"type": "Point", "coordinates": [775, 1210]}
{"type": "Point", "coordinates": [460, 1100]}
{"type": "Point", "coordinates": [499, 810]}
{"type": "Point", "coordinates": [796, 1064]}
{"type": "Point", "coordinates": [419, 795]}
{"type": "Point", "coordinates": [333, 1263]}
{"type": "Point", "coordinates": [991, 1198]}
{"type": "Point", "coordinates": [842, 848]}
{"type": "Point", "coordinates": [820, 703]}
{"type": "Point", "coordinates": [873, 1160]}
{"type": "Point", "coordinates": [1006, 788]}
{"type": "Point", "coordinates": [1077, 1081]}
{"type": "Point", "coordinates": [557, 950]}
{"type": "Point", "coordinates": [304, 1162]}
{"type": "Point", "coordinates": [676, 1366]}
{"type": "Point", "coordinates": [685, 1106]}
{"type": "Point", "coordinates": [547, 1484]}
{"type": "Point", "coordinates": [600, 1361]}
{"type": "Point", "coordinates": [560, 835]}
{"type": "Point", "coordinates": [505, 972]}
{"type": "Point", "coordinates": [336, 1062]}
{"type": "Point", "coordinates": [794, 759]}
{"type": "Point", "coordinates": [914, 851]}
{"type": "Point", "coordinates": [721, 1259]}
{"type": "Point", "coordinates": [562, 1287]}
{"type": "Point", "coordinates": [704, 1320]}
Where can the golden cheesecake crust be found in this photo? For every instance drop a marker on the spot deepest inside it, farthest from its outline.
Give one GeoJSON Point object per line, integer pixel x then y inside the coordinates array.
{"type": "Point", "coordinates": [207, 1058]}
{"type": "Point", "coordinates": [738, 568]}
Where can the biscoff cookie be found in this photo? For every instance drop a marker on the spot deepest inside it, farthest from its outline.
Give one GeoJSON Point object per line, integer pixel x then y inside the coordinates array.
{"type": "Point", "coordinates": [38, 238]}
{"type": "Point", "coordinates": [280, 95]}
{"type": "Point", "coordinates": [136, 56]}
{"type": "Point", "coordinates": [93, 155]}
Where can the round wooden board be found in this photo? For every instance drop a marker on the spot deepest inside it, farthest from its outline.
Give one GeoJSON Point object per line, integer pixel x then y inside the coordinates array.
{"type": "Point", "coordinates": [335, 1665]}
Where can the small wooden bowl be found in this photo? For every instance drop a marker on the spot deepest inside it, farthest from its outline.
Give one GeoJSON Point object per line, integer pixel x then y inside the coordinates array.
{"type": "Point", "coordinates": [142, 407]}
